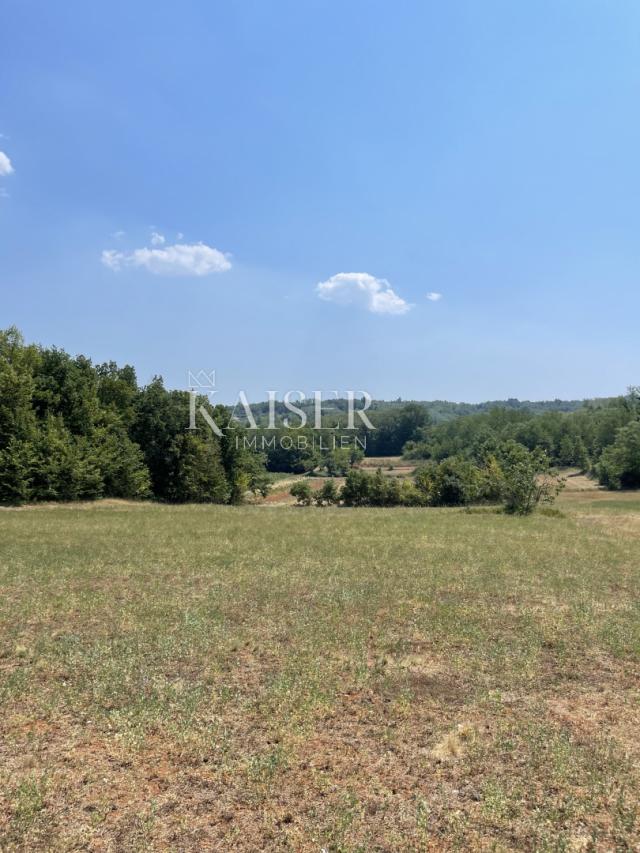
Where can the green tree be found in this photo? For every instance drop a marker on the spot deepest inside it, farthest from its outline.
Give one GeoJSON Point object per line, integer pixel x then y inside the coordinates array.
{"type": "Point", "coordinates": [65, 467]}
{"type": "Point", "coordinates": [67, 387]}
{"type": "Point", "coordinates": [619, 467]}
{"type": "Point", "coordinates": [199, 474]}
{"type": "Point", "coordinates": [17, 365]}
{"type": "Point", "coordinates": [118, 391]}
{"type": "Point", "coordinates": [160, 416]}
{"type": "Point", "coordinates": [394, 428]}
{"type": "Point", "coordinates": [15, 471]}
{"type": "Point", "coordinates": [121, 464]}
{"type": "Point", "coordinates": [290, 451]}
{"type": "Point", "coordinates": [338, 462]}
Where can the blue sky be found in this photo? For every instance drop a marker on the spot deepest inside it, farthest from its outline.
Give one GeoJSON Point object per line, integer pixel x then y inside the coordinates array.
{"type": "Point", "coordinates": [484, 151]}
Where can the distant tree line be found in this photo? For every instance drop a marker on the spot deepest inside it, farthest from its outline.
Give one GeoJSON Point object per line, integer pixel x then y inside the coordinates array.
{"type": "Point", "coordinates": [438, 411]}
{"type": "Point", "coordinates": [601, 438]}
{"type": "Point", "coordinates": [70, 430]}
{"type": "Point", "coordinates": [396, 423]}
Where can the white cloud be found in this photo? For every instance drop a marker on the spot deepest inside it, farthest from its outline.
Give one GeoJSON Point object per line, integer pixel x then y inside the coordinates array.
{"type": "Point", "coordinates": [434, 297]}
{"type": "Point", "coordinates": [112, 259]}
{"type": "Point", "coordinates": [5, 164]}
{"type": "Point", "coordinates": [363, 290]}
{"type": "Point", "coordinates": [157, 239]}
{"type": "Point", "coordinates": [196, 259]}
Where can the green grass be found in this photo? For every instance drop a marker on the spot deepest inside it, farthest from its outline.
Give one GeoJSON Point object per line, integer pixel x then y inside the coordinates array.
{"type": "Point", "coordinates": [282, 678]}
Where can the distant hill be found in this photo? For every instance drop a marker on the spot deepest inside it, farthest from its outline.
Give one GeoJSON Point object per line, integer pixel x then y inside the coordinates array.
{"type": "Point", "coordinates": [439, 410]}
{"type": "Point", "coordinates": [444, 410]}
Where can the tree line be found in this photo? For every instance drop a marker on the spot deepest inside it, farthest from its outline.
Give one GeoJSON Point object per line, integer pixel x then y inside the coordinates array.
{"type": "Point", "coordinates": [600, 438]}
{"type": "Point", "coordinates": [71, 430]}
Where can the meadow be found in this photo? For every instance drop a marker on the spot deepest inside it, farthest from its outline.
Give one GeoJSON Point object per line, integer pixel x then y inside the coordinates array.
{"type": "Point", "coordinates": [278, 678]}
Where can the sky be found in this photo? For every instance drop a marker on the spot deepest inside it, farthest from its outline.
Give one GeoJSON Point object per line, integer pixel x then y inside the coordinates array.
{"type": "Point", "coordinates": [418, 199]}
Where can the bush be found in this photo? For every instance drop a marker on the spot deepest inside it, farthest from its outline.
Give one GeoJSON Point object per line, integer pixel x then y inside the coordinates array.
{"type": "Point", "coordinates": [327, 495]}
{"type": "Point", "coordinates": [356, 489]}
{"type": "Point", "coordinates": [453, 482]}
{"type": "Point", "coordinates": [301, 491]}
{"type": "Point", "coordinates": [527, 481]}
{"type": "Point", "coordinates": [411, 495]}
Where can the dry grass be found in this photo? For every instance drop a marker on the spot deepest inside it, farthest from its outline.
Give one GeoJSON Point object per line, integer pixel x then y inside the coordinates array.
{"type": "Point", "coordinates": [211, 678]}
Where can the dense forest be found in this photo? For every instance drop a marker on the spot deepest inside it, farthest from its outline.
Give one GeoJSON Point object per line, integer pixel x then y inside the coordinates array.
{"type": "Point", "coordinates": [71, 430]}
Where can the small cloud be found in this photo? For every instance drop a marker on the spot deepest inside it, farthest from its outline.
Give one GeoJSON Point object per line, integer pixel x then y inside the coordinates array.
{"type": "Point", "coordinates": [3, 193]}
{"type": "Point", "coordinates": [118, 235]}
{"type": "Point", "coordinates": [363, 290]}
{"type": "Point", "coordinates": [179, 236]}
{"type": "Point", "coordinates": [180, 259]}
{"type": "Point", "coordinates": [434, 297]}
{"type": "Point", "coordinates": [157, 239]}
{"type": "Point", "coordinates": [112, 259]}
{"type": "Point", "coordinates": [5, 165]}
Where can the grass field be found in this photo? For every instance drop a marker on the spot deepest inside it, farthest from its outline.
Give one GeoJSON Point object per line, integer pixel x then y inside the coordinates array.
{"type": "Point", "coordinates": [267, 677]}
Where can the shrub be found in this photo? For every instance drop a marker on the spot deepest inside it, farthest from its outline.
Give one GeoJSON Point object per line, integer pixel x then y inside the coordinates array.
{"type": "Point", "coordinates": [411, 495]}
{"type": "Point", "coordinates": [527, 481]}
{"type": "Point", "coordinates": [327, 495]}
{"type": "Point", "coordinates": [356, 489]}
{"type": "Point", "coordinates": [453, 482]}
{"type": "Point", "coordinates": [301, 491]}
{"type": "Point", "coordinates": [384, 491]}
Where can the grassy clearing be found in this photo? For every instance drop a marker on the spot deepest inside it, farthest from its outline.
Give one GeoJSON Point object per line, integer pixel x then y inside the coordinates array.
{"type": "Point", "coordinates": [289, 679]}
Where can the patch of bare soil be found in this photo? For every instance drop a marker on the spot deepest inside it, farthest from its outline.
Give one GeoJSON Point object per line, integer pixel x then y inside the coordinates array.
{"type": "Point", "coordinates": [601, 712]}
{"type": "Point", "coordinates": [392, 766]}
{"type": "Point", "coordinates": [364, 761]}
